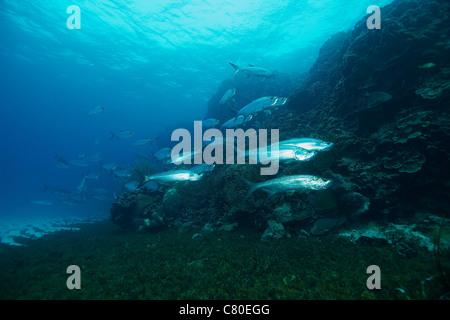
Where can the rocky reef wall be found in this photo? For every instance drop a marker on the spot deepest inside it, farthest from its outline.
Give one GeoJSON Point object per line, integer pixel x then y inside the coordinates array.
{"type": "Point", "coordinates": [381, 96]}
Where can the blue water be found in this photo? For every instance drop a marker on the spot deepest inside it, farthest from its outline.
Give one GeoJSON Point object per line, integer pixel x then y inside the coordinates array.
{"type": "Point", "coordinates": [151, 64]}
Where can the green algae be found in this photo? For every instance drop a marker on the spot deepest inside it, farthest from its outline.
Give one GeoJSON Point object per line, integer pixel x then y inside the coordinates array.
{"type": "Point", "coordinates": [218, 265]}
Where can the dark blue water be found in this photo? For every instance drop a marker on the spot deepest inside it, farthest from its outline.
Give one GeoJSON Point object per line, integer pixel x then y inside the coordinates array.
{"type": "Point", "coordinates": [150, 64]}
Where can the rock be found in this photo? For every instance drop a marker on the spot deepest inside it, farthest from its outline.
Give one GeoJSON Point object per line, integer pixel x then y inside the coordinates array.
{"type": "Point", "coordinates": [354, 205]}
{"type": "Point", "coordinates": [228, 227]}
{"type": "Point", "coordinates": [207, 228]}
{"type": "Point", "coordinates": [123, 211]}
{"type": "Point", "coordinates": [283, 213]}
{"type": "Point", "coordinates": [274, 231]}
{"type": "Point", "coordinates": [324, 203]}
{"type": "Point", "coordinates": [324, 225]}
{"type": "Point", "coordinates": [172, 203]}
{"type": "Point", "coordinates": [153, 223]}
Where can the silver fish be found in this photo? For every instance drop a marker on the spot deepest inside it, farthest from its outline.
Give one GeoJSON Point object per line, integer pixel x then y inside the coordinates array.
{"type": "Point", "coordinates": [185, 156]}
{"type": "Point", "coordinates": [131, 185]}
{"type": "Point", "coordinates": [96, 111]}
{"type": "Point", "coordinates": [143, 142]}
{"type": "Point", "coordinates": [285, 153]}
{"type": "Point", "coordinates": [208, 123]}
{"type": "Point", "coordinates": [261, 104]}
{"type": "Point", "coordinates": [122, 173]}
{"type": "Point", "coordinates": [308, 144]}
{"type": "Point", "coordinates": [78, 163]}
{"type": "Point", "coordinates": [228, 95]}
{"type": "Point", "coordinates": [288, 183]}
{"type": "Point", "coordinates": [251, 70]}
{"type": "Point", "coordinates": [172, 176]}
{"type": "Point", "coordinates": [110, 166]}
{"type": "Point", "coordinates": [55, 190]}
{"type": "Point", "coordinates": [162, 154]}
{"type": "Point", "coordinates": [92, 175]}
{"type": "Point", "coordinates": [234, 122]}
{"type": "Point", "coordinates": [60, 162]}
{"type": "Point", "coordinates": [124, 134]}
{"type": "Point", "coordinates": [82, 186]}
{"type": "Point", "coordinates": [202, 168]}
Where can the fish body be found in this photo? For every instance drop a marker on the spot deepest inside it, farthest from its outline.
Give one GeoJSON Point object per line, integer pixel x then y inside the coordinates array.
{"type": "Point", "coordinates": [131, 185]}
{"type": "Point", "coordinates": [208, 123]}
{"type": "Point", "coordinates": [308, 144]}
{"type": "Point", "coordinates": [62, 165]}
{"type": "Point", "coordinates": [285, 153]}
{"type": "Point", "coordinates": [122, 134]}
{"type": "Point", "coordinates": [78, 163]}
{"type": "Point", "coordinates": [96, 111]}
{"type": "Point", "coordinates": [260, 105]}
{"type": "Point", "coordinates": [185, 156]}
{"type": "Point", "coordinates": [202, 168]}
{"type": "Point", "coordinates": [163, 154]}
{"type": "Point", "coordinates": [234, 122]}
{"type": "Point", "coordinates": [289, 183]}
{"type": "Point", "coordinates": [60, 162]}
{"type": "Point", "coordinates": [82, 186]}
{"type": "Point", "coordinates": [92, 175]}
{"type": "Point", "coordinates": [228, 95]}
{"type": "Point", "coordinates": [172, 176]}
{"type": "Point", "coordinates": [251, 70]}
{"type": "Point", "coordinates": [143, 142]}
{"type": "Point", "coordinates": [110, 166]}
{"type": "Point", "coordinates": [122, 173]}
{"type": "Point", "coordinates": [257, 106]}
{"type": "Point", "coordinates": [55, 190]}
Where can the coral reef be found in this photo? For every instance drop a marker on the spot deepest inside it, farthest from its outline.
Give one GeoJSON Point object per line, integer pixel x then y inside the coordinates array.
{"type": "Point", "coordinates": [381, 96]}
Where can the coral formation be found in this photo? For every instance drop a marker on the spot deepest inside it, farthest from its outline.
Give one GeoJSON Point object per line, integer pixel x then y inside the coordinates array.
{"type": "Point", "coordinates": [381, 96]}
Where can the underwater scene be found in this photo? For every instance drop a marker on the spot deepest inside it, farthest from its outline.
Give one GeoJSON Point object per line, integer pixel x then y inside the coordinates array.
{"type": "Point", "coordinates": [225, 150]}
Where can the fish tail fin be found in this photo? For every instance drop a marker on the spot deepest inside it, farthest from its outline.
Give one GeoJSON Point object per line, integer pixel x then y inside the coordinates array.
{"type": "Point", "coordinates": [113, 136]}
{"type": "Point", "coordinates": [45, 188]}
{"type": "Point", "coordinates": [253, 186]}
{"type": "Point", "coordinates": [236, 68]}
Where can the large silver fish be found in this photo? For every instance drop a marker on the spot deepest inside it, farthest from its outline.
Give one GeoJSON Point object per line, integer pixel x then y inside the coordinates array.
{"type": "Point", "coordinates": [234, 122]}
{"type": "Point", "coordinates": [172, 176]}
{"type": "Point", "coordinates": [227, 96]}
{"type": "Point", "coordinates": [184, 157]}
{"type": "Point", "coordinates": [252, 70]}
{"type": "Point", "coordinates": [289, 183]}
{"type": "Point", "coordinates": [259, 105]}
{"type": "Point", "coordinates": [285, 153]}
{"type": "Point", "coordinates": [308, 144]}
